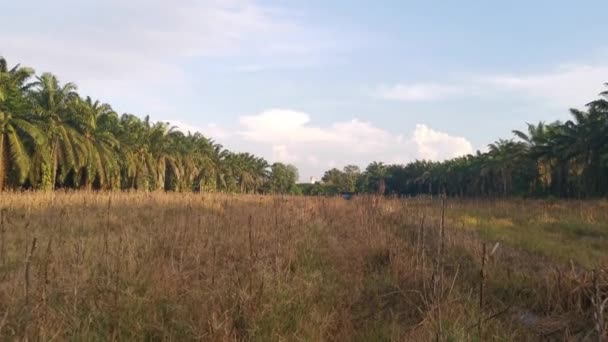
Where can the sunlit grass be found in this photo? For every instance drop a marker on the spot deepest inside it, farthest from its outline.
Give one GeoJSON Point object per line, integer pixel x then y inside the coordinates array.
{"type": "Point", "coordinates": [261, 268]}
{"type": "Point", "coordinates": [555, 232]}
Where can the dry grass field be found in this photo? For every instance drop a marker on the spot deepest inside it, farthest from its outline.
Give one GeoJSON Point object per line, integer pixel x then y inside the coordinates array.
{"type": "Point", "coordinates": [179, 267]}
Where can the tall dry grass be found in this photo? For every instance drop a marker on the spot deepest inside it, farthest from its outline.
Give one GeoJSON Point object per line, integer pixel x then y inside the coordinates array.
{"type": "Point", "coordinates": [137, 266]}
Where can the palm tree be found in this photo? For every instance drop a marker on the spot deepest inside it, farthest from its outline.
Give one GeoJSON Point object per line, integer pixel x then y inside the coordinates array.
{"type": "Point", "coordinates": [602, 103]}
{"type": "Point", "coordinates": [504, 155]}
{"type": "Point", "coordinates": [261, 172]}
{"type": "Point", "coordinates": [13, 86]}
{"type": "Point", "coordinates": [246, 172]}
{"type": "Point", "coordinates": [162, 141]}
{"type": "Point", "coordinates": [537, 148]}
{"type": "Point", "coordinates": [53, 105]}
{"type": "Point", "coordinates": [222, 168]}
{"type": "Point", "coordinates": [101, 163]}
{"type": "Point", "coordinates": [200, 153]}
{"type": "Point", "coordinates": [478, 184]}
{"type": "Point", "coordinates": [198, 160]}
{"type": "Point", "coordinates": [139, 169]}
{"type": "Point", "coordinates": [15, 130]}
{"type": "Point", "coordinates": [587, 135]}
{"type": "Point", "coordinates": [601, 106]}
{"type": "Point", "coordinates": [14, 156]}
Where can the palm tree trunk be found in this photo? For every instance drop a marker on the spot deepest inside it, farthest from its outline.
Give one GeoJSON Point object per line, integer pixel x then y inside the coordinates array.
{"type": "Point", "coordinates": [504, 183]}
{"type": "Point", "coordinates": [134, 179]}
{"type": "Point", "coordinates": [88, 184]}
{"type": "Point", "coordinates": [54, 161]}
{"type": "Point", "coordinates": [562, 178]}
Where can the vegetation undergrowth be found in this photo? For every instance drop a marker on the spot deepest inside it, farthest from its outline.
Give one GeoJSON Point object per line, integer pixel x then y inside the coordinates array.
{"type": "Point", "coordinates": [168, 266]}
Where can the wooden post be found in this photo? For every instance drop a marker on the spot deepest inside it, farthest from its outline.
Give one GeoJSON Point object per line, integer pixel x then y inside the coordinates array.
{"type": "Point", "coordinates": [482, 281]}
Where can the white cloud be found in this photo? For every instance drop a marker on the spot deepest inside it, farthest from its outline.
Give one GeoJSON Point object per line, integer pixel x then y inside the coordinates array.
{"type": "Point", "coordinates": [436, 145]}
{"type": "Point", "coordinates": [293, 127]}
{"type": "Point", "coordinates": [279, 125]}
{"type": "Point", "coordinates": [290, 136]}
{"type": "Point", "coordinates": [569, 85]}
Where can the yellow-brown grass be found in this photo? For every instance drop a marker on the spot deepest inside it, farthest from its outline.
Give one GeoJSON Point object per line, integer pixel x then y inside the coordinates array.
{"type": "Point", "coordinates": [135, 266]}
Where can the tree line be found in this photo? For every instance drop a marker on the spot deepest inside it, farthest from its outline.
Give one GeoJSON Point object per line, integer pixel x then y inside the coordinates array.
{"type": "Point", "coordinates": [559, 159]}
{"type": "Point", "coordinates": [52, 138]}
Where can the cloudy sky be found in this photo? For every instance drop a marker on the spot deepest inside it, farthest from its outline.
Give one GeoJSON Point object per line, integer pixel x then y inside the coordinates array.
{"type": "Point", "coordinates": [322, 83]}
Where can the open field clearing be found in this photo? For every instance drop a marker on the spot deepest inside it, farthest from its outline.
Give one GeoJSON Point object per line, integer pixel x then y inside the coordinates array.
{"type": "Point", "coordinates": [82, 266]}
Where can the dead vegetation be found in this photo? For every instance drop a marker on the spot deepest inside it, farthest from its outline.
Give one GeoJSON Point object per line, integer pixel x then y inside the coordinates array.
{"type": "Point", "coordinates": [120, 266]}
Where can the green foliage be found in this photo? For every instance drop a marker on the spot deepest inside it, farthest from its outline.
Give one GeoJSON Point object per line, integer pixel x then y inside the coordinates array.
{"type": "Point", "coordinates": [319, 189]}
{"type": "Point", "coordinates": [342, 181]}
{"type": "Point", "coordinates": [51, 137]}
{"type": "Point", "coordinates": [283, 179]}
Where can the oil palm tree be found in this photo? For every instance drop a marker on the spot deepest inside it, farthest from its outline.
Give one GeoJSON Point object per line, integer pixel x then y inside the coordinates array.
{"type": "Point", "coordinates": [14, 86]}
{"type": "Point", "coordinates": [586, 134]}
{"type": "Point", "coordinates": [206, 170]}
{"type": "Point", "coordinates": [504, 155]}
{"type": "Point", "coordinates": [53, 105]}
{"type": "Point", "coordinates": [16, 131]}
{"type": "Point", "coordinates": [162, 142]}
{"type": "Point", "coordinates": [101, 163]}
{"type": "Point", "coordinates": [138, 164]}
{"type": "Point", "coordinates": [537, 147]}
{"type": "Point", "coordinates": [14, 156]}
{"type": "Point", "coordinates": [221, 167]}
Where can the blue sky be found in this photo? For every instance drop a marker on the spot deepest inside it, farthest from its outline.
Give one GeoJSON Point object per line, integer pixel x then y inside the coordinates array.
{"type": "Point", "coordinates": [323, 83]}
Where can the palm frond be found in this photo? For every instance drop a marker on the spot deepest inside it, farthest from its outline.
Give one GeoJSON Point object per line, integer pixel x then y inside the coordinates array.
{"type": "Point", "coordinates": [19, 156]}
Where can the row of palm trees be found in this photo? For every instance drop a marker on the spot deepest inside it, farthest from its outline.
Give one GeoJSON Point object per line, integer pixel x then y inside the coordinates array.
{"type": "Point", "coordinates": [561, 159]}
{"type": "Point", "coordinates": [51, 137]}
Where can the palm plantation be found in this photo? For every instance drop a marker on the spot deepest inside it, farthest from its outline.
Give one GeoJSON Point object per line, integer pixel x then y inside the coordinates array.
{"type": "Point", "coordinates": [51, 137]}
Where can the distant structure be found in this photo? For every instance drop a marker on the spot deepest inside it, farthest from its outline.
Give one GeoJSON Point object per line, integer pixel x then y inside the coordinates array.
{"type": "Point", "coordinates": [347, 195]}
{"type": "Point", "coordinates": [312, 180]}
